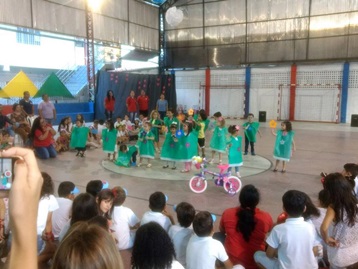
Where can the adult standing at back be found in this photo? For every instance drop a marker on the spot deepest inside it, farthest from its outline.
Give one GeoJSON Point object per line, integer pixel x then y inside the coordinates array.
{"type": "Point", "coordinates": [143, 103]}
{"type": "Point", "coordinates": [109, 102]}
{"type": "Point", "coordinates": [131, 103]}
{"type": "Point", "coordinates": [47, 110]}
{"type": "Point", "coordinates": [246, 228]}
{"type": "Point", "coordinates": [162, 106]}
{"type": "Point", "coordinates": [27, 105]}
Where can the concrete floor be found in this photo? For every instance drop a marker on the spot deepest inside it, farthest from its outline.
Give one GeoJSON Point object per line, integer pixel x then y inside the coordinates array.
{"type": "Point", "coordinates": [320, 147]}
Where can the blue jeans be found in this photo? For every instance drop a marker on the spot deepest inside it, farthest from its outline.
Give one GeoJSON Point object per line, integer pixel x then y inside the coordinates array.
{"type": "Point", "coordinates": [46, 152]}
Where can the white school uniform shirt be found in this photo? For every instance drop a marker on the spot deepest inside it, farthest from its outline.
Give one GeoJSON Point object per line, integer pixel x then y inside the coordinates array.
{"type": "Point", "coordinates": [61, 216]}
{"type": "Point", "coordinates": [180, 237]}
{"type": "Point", "coordinates": [124, 218]}
{"type": "Point", "coordinates": [202, 252]}
{"type": "Point", "coordinates": [157, 217]}
{"type": "Point", "coordinates": [47, 204]}
{"type": "Point", "coordinates": [294, 240]}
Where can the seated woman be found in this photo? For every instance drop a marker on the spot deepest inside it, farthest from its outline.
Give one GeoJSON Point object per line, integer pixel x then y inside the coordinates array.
{"type": "Point", "coordinates": [42, 135]}
{"type": "Point", "coordinates": [246, 227]}
{"type": "Point", "coordinates": [20, 124]}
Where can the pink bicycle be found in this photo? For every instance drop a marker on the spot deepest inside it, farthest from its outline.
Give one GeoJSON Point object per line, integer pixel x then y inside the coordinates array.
{"type": "Point", "coordinates": [198, 183]}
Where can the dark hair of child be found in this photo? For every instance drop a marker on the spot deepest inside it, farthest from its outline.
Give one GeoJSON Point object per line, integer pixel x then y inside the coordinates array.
{"type": "Point", "coordinates": [190, 126]}
{"type": "Point", "coordinates": [311, 209]}
{"type": "Point", "coordinates": [232, 129]}
{"type": "Point", "coordinates": [185, 214]}
{"type": "Point", "coordinates": [173, 126]}
{"type": "Point", "coordinates": [100, 221]}
{"type": "Point", "coordinates": [202, 114]}
{"type": "Point", "coordinates": [288, 125]}
{"type": "Point", "coordinates": [101, 122]}
{"type": "Point", "coordinates": [94, 187]}
{"type": "Point", "coordinates": [203, 224]}
{"type": "Point", "coordinates": [119, 196]}
{"type": "Point", "coordinates": [152, 248]}
{"type": "Point", "coordinates": [84, 208]}
{"type": "Point", "coordinates": [352, 169]}
{"type": "Point", "coordinates": [157, 201]}
{"type": "Point", "coordinates": [294, 203]}
{"type": "Point", "coordinates": [47, 185]}
{"type": "Point", "coordinates": [172, 110]}
{"type": "Point", "coordinates": [148, 123]}
{"type": "Point", "coordinates": [217, 114]}
{"type": "Point", "coordinates": [5, 132]}
{"type": "Point", "coordinates": [342, 200]}
{"type": "Point", "coordinates": [80, 117]}
{"type": "Point", "coordinates": [65, 188]}
{"type": "Point", "coordinates": [123, 148]}
{"type": "Point", "coordinates": [323, 197]}
{"type": "Point", "coordinates": [79, 120]}
{"type": "Point", "coordinates": [110, 125]}
{"type": "Point", "coordinates": [95, 121]}
{"type": "Point", "coordinates": [105, 195]}
{"type": "Point", "coordinates": [249, 199]}
{"type": "Point", "coordinates": [251, 114]}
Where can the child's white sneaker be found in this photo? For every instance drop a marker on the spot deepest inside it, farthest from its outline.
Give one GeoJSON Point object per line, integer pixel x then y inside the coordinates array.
{"type": "Point", "coordinates": [238, 174]}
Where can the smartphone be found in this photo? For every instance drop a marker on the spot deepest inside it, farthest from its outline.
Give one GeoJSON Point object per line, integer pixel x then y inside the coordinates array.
{"type": "Point", "coordinates": [6, 173]}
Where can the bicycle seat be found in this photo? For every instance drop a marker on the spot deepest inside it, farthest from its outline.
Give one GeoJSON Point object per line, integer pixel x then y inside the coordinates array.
{"type": "Point", "coordinates": [223, 167]}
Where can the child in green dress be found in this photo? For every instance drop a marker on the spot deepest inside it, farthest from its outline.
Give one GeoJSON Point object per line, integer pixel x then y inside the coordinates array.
{"type": "Point", "coordinates": [251, 128]}
{"type": "Point", "coordinates": [235, 151]}
{"type": "Point", "coordinates": [170, 147]}
{"type": "Point", "coordinates": [156, 125]}
{"type": "Point", "coordinates": [145, 144]}
{"type": "Point", "coordinates": [283, 145]}
{"type": "Point", "coordinates": [218, 141]}
{"type": "Point", "coordinates": [126, 156]}
{"type": "Point", "coordinates": [109, 137]}
{"type": "Point", "coordinates": [79, 136]}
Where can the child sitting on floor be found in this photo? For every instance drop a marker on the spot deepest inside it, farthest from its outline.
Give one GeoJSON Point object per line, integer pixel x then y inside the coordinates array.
{"type": "Point", "coordinates": [124, 220]}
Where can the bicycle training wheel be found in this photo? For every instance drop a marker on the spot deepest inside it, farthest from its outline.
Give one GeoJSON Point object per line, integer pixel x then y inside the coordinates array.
{"type": "Point", "coordinates": [198, 184]}
{"type": "Point", "coordinates": [233, 185]}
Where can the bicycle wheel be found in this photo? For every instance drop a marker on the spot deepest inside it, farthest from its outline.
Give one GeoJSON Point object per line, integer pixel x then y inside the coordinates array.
{"type": "Point", "coordinates": [233, 185]}
{"type": "Point", "coordinates": [198, 184]}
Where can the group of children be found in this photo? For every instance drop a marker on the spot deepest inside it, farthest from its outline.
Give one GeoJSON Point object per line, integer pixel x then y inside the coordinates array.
{"type": "Point", "coordinates": [184, 138]}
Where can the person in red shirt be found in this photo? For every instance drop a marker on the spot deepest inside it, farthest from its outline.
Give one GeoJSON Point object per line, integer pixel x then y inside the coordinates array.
{"type": "Point", "coordinates": [131, 103]}
{"type": "Point", "coordinates": [109, 102]}
{"type": "Point", "coordinates": [143, 103]}
{"type": "Point", "coordinates": [42, 137]}
{"type": "Point", "coordinates": [245, 227]}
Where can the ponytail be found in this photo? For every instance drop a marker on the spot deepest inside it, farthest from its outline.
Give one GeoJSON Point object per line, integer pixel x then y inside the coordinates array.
{"type": "Point", "coordinates": [246, 223]}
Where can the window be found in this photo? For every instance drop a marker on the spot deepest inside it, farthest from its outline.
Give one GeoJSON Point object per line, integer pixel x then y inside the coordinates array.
{"type": "Point", "coordinates": [28, 36]}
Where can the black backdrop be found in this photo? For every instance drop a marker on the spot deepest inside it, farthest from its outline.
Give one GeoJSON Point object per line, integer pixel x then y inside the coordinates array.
{"type": "Point", "coordinates": [122, 83]}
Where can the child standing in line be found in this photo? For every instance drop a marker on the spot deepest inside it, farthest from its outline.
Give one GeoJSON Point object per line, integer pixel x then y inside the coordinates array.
{"type": "Point", "coordinates": [156, 124]}
{"type": "Point", "coordinates": [235, 151]}
{"type": "Point", "coordinates": [203, 124]}
{"type": "Point", "coordinates": [188, 144]}
{"type": "Point", "coordinates": [109, 137]}
{"type": "Point", "coordinates": [170, 147]}
{"type": "Point", "coordinates": [79, 138]}
{"type": "Point", "coordinates": [170, 118]}
{"type": "Point", "coordinates": [251, 128]}
{"type": "Point", "coordinates": [145, 144]}
{"type": "Point", "coordinates": [126, 156]}
{"type": "Point", "coordinates": [283, 145]}
{"type": "Point", "coordinates": [218, 141]}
